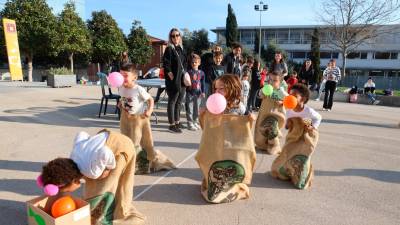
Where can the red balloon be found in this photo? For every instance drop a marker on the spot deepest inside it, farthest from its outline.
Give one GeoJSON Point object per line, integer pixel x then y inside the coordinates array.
{"type": "Point", "coordinates": [62, 206]}
{"type": "Point", "coordinates": [290, 102]}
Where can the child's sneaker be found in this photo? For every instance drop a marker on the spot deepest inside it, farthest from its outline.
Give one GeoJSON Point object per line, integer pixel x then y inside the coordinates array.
{"type": "Point", "coordinates": [197, 125]}
{"type": "Point", "coordinates": [376, 102]}
{"type": "Point", "coordinates": [192, 127]}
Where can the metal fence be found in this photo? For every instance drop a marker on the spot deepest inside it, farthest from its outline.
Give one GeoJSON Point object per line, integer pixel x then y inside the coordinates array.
{"type": "Point", "coordinates": [380, 82]}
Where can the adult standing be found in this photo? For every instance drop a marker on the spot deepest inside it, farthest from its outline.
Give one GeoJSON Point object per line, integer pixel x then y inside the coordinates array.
{"type": "Point", "coordinates": [174, 64]}
{"type": "Point", "coordinates": [207, 62]}
{"type": "Point", "coordinates": [232, 60]}
{"type": "Point", "coordinates": [279, 65]}
{"type": "Point", "coordinates": [255, 85]}
{"type": "Point", "coordinates": [332, 76]}
{"type": "Point", "coordinates": [307, 74]}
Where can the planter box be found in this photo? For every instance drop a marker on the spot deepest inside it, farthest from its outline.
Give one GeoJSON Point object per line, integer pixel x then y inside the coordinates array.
{"type": "Point", "coordinates": [61, 80]}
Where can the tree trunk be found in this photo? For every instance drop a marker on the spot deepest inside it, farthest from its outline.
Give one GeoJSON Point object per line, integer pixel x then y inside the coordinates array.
{"type": "Point", "coordinates": [30, 67]}
{"type": "Point", "coordinates": [344, 61]}
{"type": "Point", "coordinates": [71, 60]}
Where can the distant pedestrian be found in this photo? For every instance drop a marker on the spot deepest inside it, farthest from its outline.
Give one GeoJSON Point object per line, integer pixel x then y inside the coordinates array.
{"type": "Point", "coordinates": [332, 76]}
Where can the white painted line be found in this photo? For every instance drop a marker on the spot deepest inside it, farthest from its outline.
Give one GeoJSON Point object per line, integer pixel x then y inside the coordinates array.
{"type": "Point", "coordinates": [164, 176]}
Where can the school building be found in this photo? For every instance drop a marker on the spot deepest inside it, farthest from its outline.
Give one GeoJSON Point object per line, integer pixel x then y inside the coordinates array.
{"type": "Point", "coordinates": [378, 57]}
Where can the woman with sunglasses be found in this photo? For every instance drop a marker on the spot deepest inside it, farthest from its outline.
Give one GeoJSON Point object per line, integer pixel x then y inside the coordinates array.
{"type": "Point", "coordinates": [174, 64]}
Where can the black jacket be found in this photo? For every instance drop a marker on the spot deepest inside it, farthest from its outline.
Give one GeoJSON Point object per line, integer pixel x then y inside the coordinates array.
{"type": "Point", "coordinates": [229, 62]}
{"type": "Point", "coordinates": [172, 64]}
{"type": "Point", "coordinates": [307, 75]}
{"type": "Point", "coordinates": [206, 65]}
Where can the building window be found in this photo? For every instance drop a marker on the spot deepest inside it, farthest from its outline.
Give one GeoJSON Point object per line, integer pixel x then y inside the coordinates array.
{"type": "Point", "coordinates": [295, 37]}
{"type": "Point", "coordinates": [270, 35]}
{"type": "Point", "coordinates": [385, 55]}
{"type": "Point", "coordinates": [364, 55]}
{"type": "Point", "coordinates": [374, 73]}
{"type": "Point", "coordinates": [306, 37]}
{"type": "Point", "coordinates": [247, 37]}
{"type": "Point", "coordinates": [394, 73]}
{"type": "Point", "coordinates": [283, 37]}
{"type": "Point", "coordinates": [298, 55]}
{"type": "Point", "coordinates": [335, 55]}
{"type": "Point", "coordinates": [357, 55]}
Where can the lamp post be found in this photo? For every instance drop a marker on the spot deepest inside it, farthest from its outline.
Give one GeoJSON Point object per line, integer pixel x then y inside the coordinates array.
{"type": "Point", "coordinates": [260, 7]}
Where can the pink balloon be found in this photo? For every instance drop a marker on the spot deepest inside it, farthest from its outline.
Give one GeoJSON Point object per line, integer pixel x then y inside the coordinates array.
{"type": "Point", "coordinates": [39, 181]}
{"type": "Point", "coordinates": [51, 189]}
{"type": "Point", "coordinates": [216, 103]}
{"type": "Point", "coordinates": [115, 79]}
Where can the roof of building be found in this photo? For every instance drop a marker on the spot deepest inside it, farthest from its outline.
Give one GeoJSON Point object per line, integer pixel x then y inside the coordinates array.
{"type": "Point", "coordinates": [284, 27]}
{"type": "Point", "coordinates": [157, 40]}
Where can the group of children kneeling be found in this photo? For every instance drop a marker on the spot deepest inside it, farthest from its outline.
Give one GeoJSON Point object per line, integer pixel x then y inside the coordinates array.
{"type": "Point", "coordinates": [108, 160]}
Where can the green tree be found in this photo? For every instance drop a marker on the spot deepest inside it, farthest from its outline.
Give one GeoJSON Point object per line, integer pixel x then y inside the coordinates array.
{"type": "Point", "coordinates": [196, 41]}
{"type": "Point", "coordinates": [231, 30]}
{"type": "Point", "coordinates": [108, 40]}
{"type": "Point", "coordinates": [35, 26]}
{"type": "Point", "coordinates": [200, 41]}
{"type": "Point", "coordinates": [139, 44]}
{"type": "Point", "coordinates": [315, 54]}
{"type": "Point", "coordinates": [72, 34]}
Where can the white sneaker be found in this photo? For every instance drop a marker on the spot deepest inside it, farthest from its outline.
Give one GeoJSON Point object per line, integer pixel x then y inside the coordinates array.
{"type": "Point", "coordinates": [197, 125]}
{"type": "Point", "coordinates": [328, 110]}
{"type": "Point", "coordinates": [192, 127]}
{"type": "Point", "coordinates": [376, 102]}
{"type": "Point", "coordinates": [317, 99]}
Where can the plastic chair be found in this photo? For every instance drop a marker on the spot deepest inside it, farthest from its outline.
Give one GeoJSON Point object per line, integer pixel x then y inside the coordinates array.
{"type": "Point", "coordinates": [104, 83]}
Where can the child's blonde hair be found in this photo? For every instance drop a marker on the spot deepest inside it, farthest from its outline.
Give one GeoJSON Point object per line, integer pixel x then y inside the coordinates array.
{"type": "Point", "coordinates": [233, 89]}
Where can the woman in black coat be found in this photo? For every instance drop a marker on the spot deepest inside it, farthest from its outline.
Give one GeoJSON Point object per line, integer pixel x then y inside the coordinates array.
{"type": "Point", "coordinates": [174, 63]}
{"type": "Point", "coordinates": [307, 74]}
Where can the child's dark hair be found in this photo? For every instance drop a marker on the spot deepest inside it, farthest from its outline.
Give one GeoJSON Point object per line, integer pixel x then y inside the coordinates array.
{"type": "Point", "coordinates": [294, 73]}
{"type": "Point", "coordinates": [236, 45]}
{"type": "Point", "coordinates": [233, 89]}
{"type": "Point", "coordinates": [60, 172]}
{"type": "Point", "coordinates": [217, 54]}
{"type": "Point", "coordinates": [250, 59]}
{"type": "Point", "coordinates": [128, 67]}
{"type": "Point", "coordinates": [302, 90]}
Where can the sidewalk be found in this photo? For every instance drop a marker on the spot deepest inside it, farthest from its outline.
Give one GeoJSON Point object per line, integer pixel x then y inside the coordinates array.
{"type": "Point", "coordinates": [357, 173]}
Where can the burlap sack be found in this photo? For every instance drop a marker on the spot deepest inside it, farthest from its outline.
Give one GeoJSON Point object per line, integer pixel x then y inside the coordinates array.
{"type": "Point", "coordinates": [111, 198]}
{"type": "Point", "coordinates": [226, 157]}
{"type": "Point", "coordinates": [148, 159]}
{"type": "Point", "coordinates": [270, 120]}
{"type": "Point", "coordinates": [294, 162]}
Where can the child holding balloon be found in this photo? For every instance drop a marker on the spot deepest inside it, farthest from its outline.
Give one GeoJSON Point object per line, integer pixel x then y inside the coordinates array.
{"type": "Point", "coordinates": [226, 153]}
{"type": "Point", "coordinates": [107, 163]}
{"type": "Point", "coordinates": [294, 163]}
{"type": "Point", "coordinates": [135, 122]}
{"type": "Point", "coordinates": [271, 116]}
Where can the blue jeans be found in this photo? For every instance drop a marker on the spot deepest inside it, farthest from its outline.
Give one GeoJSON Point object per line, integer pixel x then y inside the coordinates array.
{"type": "Point", "coordinates": [192, 105]}
{"type": "Point", "coordinates": [371, 96]}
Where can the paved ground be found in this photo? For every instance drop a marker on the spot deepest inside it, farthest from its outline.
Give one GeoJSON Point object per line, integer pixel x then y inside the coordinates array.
{"type": "Point", "coordinates": [357, 164]}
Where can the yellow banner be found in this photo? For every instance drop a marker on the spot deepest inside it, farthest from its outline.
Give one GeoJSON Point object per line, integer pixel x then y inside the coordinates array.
{"type": "Point", "coordinates": [14, 59]}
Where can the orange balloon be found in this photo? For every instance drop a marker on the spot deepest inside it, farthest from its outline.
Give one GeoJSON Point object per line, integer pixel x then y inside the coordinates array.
{"type": "Point", "coordinates": [63, 206]}
{"type": "Point", "coordinates": [290, 102]}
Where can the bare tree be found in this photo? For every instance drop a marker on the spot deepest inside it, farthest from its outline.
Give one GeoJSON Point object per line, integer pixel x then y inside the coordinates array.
{"type": "Point", "coordinates": [351, 23]}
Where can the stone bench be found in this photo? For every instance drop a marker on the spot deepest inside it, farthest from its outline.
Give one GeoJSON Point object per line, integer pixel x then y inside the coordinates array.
{"type": "Point", "coordinates": [362, 99]}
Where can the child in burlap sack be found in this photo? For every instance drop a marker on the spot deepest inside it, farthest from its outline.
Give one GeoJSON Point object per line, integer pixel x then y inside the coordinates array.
{"type": "Point", "coordinates": [226, 155]}
{"type": "Point", "coordinates": [271, 116]}
{"type": "Point", "coordinates": [107, 163]}
{"type": "Point", "coordinates": [294, 163]}
{"type": "Point", "coordinates": [135, 123]}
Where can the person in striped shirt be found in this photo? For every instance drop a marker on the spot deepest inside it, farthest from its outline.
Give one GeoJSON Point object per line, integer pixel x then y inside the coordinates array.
{"type": "Point", "coordinates": [332, 76]}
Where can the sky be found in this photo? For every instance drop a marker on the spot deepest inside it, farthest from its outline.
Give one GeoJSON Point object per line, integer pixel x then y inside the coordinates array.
{"type": "Point", "coordinates": [159, 16]}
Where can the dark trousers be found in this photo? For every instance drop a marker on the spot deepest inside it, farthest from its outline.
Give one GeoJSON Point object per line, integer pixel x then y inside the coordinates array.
{"type": "Point", "coordinates": [251, 102]}
{"type": "Point", "coordinates": [330, 87]}
{"type": "Point", "coordinates": [174, 104]}
{"type": "Point", "coordinates": [158, 95]}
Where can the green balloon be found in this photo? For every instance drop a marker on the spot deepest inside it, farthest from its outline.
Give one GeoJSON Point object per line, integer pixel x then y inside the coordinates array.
{"type": "Point", "coordinates": [267, 90]}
